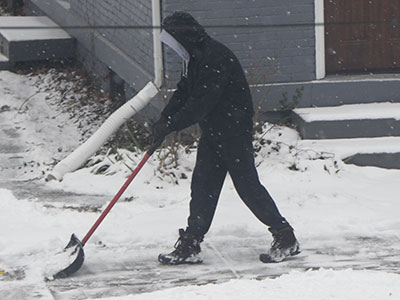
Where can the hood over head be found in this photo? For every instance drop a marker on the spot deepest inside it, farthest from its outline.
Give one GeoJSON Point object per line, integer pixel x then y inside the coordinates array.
{"type": "Point", "coordinates": [185, 29]}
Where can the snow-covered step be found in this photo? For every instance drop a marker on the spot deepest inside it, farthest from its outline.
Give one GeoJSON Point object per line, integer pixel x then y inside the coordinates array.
{"type": "Point", "coordinates": [31, 38]}
{"type": "Point", "coordinates": [4, 62]}
{"type": "Point", "coordinates": [381, 152]}
{"type": "Point", "coordinates": [349, 121]}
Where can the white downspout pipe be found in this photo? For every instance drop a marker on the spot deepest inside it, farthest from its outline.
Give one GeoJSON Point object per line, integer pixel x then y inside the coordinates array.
{"type": "Point", "coordinates": [320, 71]}
{"type": "Point", "coordinates": [88, 148]}
{"type": "Point", "coordinates": [157, 46]}
{"type": "Point", "coordinates": [122, 114]}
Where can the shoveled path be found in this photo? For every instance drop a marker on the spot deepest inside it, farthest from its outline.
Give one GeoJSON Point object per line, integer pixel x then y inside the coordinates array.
{"type": "Point", "coordinates": [140, 272]}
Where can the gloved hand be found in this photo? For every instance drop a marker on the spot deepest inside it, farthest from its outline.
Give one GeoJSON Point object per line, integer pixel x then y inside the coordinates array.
{"type": "Point", "coordinates": [160, 130]}
{"type": "Point", "coordinates": [183, 85]}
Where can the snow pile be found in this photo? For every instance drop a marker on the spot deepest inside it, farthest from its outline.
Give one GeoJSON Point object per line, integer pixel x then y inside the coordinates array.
{"type": "Point", "coordinates": [46, 116]}
{"type": "Point", "coordinates": [63, 259]}
{"type": "Point", "coordinates": [36, 236]}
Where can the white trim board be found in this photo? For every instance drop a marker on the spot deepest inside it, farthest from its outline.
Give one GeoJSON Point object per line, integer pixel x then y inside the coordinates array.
{"type": "Point", "coordinates": [320, 70]}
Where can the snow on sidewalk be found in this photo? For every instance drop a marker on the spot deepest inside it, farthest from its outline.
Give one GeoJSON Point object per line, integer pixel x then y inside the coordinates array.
{"type": "Point", "coordinates": [310, 285]}
{"type": "Point", "coordinates": [344, 216]}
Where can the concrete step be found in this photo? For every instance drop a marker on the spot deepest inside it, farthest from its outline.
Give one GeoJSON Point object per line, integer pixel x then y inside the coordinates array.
{"type": "Point", "coordinates": [354, 89]}
{"type": "Point", "coordinates": [34, 38]}
{"type": "Point", "coordinates": [348, 121]}
{"type": "Point", "coordinates": [383, 152]}
{"type": "Point", "coordinates": [332, 91]}
{"type": "Point", "coordinates": [4, 62]}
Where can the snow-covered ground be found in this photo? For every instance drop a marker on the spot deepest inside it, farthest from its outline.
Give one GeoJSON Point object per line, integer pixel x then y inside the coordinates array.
{"type": "Point", "coordinates": [322, 284]}
{"type": "Point", "coordinates": [346, 218]}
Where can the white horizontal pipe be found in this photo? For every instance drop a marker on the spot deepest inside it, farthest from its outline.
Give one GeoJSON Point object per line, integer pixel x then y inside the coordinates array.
{"type": "Point", "coordinates": [87, 149]}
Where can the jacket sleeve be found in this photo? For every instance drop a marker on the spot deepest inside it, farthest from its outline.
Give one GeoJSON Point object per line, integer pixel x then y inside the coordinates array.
{"type": "Point", "coordinates": [177, 99]}
{"type": "Point", "coordinates": [204, 96]}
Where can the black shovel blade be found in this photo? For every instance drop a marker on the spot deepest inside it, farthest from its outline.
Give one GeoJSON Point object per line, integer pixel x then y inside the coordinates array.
{"type": "Point", "coordinates": [77, 256]}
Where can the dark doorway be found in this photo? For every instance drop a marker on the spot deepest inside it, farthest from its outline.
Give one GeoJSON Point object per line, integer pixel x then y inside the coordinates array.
{"type": "Point", "coordinates": [362, 36]}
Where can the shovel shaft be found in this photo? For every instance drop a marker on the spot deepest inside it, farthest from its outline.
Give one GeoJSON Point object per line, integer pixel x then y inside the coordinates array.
{"type": "Point", "coordinates": [117, 196]}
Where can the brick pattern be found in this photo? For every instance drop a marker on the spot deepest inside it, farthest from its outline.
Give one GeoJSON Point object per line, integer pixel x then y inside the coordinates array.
{"type": "Point", "coordinates": [135, 43]}
{"type": "Point", "coordinates": [268, 54]}
{"type": "Point", "coordinates": [272, 53]}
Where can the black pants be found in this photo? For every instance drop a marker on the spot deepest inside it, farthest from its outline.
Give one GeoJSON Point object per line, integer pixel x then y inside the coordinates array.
{"type": "Point", "coordinates": [214, 160]}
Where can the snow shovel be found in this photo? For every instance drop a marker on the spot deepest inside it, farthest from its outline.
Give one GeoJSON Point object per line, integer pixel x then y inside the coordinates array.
{"type": "Point", "coordinates": [74, 249]}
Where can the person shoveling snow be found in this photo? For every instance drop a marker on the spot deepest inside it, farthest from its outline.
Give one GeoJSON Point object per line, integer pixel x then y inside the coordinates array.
{"type": "Point", "coordinates": [213, 92]}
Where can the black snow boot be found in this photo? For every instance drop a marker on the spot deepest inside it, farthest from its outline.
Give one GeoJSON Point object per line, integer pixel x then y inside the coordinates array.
{"type": "Point", "coordinates": [187, 250]}
{"type": "Point", "coordinates": [284, 244]}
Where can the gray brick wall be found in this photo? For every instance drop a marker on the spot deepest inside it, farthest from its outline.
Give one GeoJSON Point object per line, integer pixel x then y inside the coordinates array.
{"type": "Point", "coordinates": [268, 54]}
{"type": "Point", "coordinates": [135, 43]}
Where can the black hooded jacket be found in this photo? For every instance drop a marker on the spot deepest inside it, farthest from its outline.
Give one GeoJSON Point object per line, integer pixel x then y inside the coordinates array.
{"type": "Point", "coordinates": [215, 92]}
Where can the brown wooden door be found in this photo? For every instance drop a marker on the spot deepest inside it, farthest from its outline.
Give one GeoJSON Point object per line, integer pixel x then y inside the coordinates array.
{"type": "Point", "coordinates": [371, 42]}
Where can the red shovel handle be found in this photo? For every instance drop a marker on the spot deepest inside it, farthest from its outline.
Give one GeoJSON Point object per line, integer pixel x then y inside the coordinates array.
{"type": "Point", "coordinates": [120, 192]}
